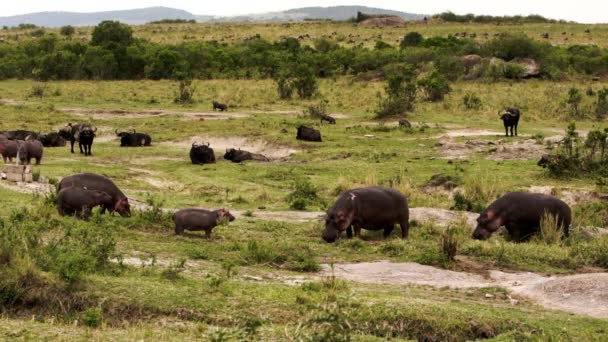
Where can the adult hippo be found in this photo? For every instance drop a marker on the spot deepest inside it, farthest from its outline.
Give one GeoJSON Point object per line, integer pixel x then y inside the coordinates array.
{"type": "Point", "coordinates": [91, 181]}
{"type": "Point", "coordinates": [521, 213]}
{"type": "Point", "coordinates": [80, 202]}
{"type": "Point", "coordinates": [8, 148]}
{"type": "Point", "coordinates": [28, 150]}
{"type": "Point", "coordinates": [371, 208]}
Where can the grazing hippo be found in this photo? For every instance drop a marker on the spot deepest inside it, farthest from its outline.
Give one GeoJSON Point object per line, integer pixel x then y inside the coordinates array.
{"type": "Point", "coordinates": [199, 219]}
{"type": "Point", "coordinates": [8, 149]}
{"type": "Point", "coordinates": [80, 202]}
{"type": "Point", "coordinates": [91, 181]}
{"type": "Point", "coordinates": [28, 150]}
{"type": "Point", "coordinates": [237, 156]}
{"type": "Point", "coordinates": [308, 134]}
{"type": "Point", "coordinates": [371, 208]}
{"type": "Point", "coordinates": [521, 213]}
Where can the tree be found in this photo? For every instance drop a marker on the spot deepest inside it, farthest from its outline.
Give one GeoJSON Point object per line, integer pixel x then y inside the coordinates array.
{"type": "Point", "coordinates": [574, 100]}
{"type": "Point", "coordinates": [435, 86]}
{"type": "Point", "coordinates": [99, 63]}
{"type": "Point", "coordinates": [67, 31]}
{"type": "Point", "coordinates": [109, 33]}
{"type": "Point", "coordinates": [412, 39]}
{"type": "Point", "coordinates": [400, 92]}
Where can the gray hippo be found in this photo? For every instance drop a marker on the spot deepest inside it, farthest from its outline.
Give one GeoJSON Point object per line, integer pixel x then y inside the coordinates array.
{"type": "Point", "coordinates": [80, 202]}
{"type": "Point", "coordinates": [199, 219]}
{"type": "Point", "coordinates": [28, 150]}
{"type": "Point", "coordinates": [521, 213]}
{"type": "Point", "coordinates": [371, 208]}
{"type": "Point", "coordinates": [91, 181]}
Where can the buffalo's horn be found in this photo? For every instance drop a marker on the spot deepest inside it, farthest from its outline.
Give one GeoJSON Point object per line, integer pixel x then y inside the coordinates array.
{"type": "Point", "coordinates": [116, 131]}
{"type": "Point", "coordinates": [94, 129]}
{"type": "Point", "coordinates": [133, 130]}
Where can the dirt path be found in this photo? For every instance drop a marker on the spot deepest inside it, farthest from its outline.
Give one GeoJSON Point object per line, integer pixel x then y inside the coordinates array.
{"type": "Point", "coordinates": [585, 294]}
{"type": "Point", "coordinates": [105, 114]}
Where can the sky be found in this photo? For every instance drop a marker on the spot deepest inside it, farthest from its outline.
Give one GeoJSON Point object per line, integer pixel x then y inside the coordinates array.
{"type": "Point", "coordinates": [586, 11]}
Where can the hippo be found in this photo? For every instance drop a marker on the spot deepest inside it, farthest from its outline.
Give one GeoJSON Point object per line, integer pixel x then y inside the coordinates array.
{"type": "Point", "coordinates": [521, 213]}
{"type": "Point", "coordinates": [78, 201]}
{"type": "Point", "coordinates": [8, 148]}
{"type": "Point", "coordinates": [371, 208]}
{"type": "Point", "coordinates": [91, 181]}
{"type": "Point", "coordinates": [28, 150]}
{"type": "Point", "coordinates": [199, 219]}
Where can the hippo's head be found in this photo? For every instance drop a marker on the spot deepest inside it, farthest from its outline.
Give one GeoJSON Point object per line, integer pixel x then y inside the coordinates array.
{"type": "Point", "coordinates": [122, 207]}
{"type": "Point", "coordinates": [225, 214]}
{"type": "Point", "coordinates": [336, 223]}
{"type": "Point", "coordinates": [487, 223]}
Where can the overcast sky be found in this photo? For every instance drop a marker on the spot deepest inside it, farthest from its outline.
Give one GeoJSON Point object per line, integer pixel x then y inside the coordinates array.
{"type": "Point", "coordinates": [588, 11]}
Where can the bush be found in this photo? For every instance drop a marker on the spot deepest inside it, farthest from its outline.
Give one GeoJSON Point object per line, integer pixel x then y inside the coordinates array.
{"type": "Point", "coordinates": [434, 86]}
{"type": "Point", "coordinates": [601, 105]}
{"type": "Point", "coordinates": [448, 242]}
{"type": "Point", "coordinates": [411, 39]}
{"type": "Point", "coordinates": [37, 90]}
{"type": "Point", "coordinates": [317, 110]}
{"type": "Point", "coordinates": [92, 317]}
{"type": "Point", "coordinates": [400, 91]}
{"type": "Point", "coordinates": [304, 194]}
{"type": "Point", "coordinates": [284, 88]}
{"type": "Point", "coordinates": [551, 232]}
{"type": "Point", "coordinates": [185, 92]}
{"type": "Point", "coordinates": [471, 101]}
{"type": "Point", "coordinates": [574, 100]}
{"type": "Point", "coordinates": [67, 31]}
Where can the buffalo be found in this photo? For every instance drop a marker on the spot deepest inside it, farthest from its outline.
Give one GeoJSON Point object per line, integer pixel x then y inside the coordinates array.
{"type": "Point", "coordinates": [510, 118]}
{"type": "Point", "coordinates": [237, 156]}
{"type": "Point", "coordinates": [308, 134]}
{"type": "Point", "coordinates": [134, 138]}
{"type": "Point", "coordinates": [51, 139]}
{"type": "Point", "coordinates": [19, 134]}
{"type": "Point", "coordinates": [201, 154]}
{"type": "Point", "coordinates": [91, 181]}
{"type": "Point", "coordinates": [221, 106]}
{"type": "Point", "coordinates": [81, 133]}
{"type": "Point", "coordinates": [324, 117]}
{"type": "Point", "coordinates": [199, 219]}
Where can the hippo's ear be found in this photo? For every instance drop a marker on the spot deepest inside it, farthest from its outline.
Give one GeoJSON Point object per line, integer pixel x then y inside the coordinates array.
{"type": "Point", "coordinates": [490, 214]}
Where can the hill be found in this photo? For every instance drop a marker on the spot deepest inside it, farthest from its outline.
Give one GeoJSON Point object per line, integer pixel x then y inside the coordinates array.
{"type": "Point", "coordinates": [134, 17]}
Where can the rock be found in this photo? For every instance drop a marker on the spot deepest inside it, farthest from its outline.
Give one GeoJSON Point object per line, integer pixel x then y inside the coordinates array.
{"type": "Point", "coordinates": [489, 295]}
{"type": "Point", "coordinates": [470, 61]}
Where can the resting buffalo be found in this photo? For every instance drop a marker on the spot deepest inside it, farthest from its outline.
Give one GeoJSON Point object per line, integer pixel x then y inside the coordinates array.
{"type": "Point", "coordinates": [237, 156]}
{"type": "Point", "coordinates": [199, 219]}
{"type": "Point", "coordinates": [134, 139]}
{"type": "Point", "coordinates": [521, 213]}
{"type": "Point", "coordinates": [8, 148]}
{"type": "Point", "coordinates": [28, 150]}
{"type": "Point", "coordinates": [329, 119]}
{"type": "Point", "coordinates": [19, 134]}
{"type": "Point", "coordinates": [91, 181]}
{"type": "Point", "coordinates": [74, 200]}
{"type": "Point", "coordinates": [371, 208]}
{"type": "Point", "coordinates": [308, 134]}
{"type": "Point", "coordinates": [52, 139]}
{"type": "Point", "coordinates": [510, 118]}
{"type": "Point", "coordinates": [201, 154]}
{"type": "Point", "coordinates": [221, 106]}
{"type": "Point", "coordinates": [81, 133]}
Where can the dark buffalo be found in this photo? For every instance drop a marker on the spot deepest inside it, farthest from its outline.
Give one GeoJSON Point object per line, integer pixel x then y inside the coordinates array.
{"type": "Point", "coordinates": [51, 139]}
{"type": "Point", "coordinates": [199, 219]}
{"type": "Point", "coordinates": [81, 133]}
{"type": "Point", "coordinates": [19, 134]}
{"type": "Point", "coordinates": [78, 201]}
{"type": "Point", "coordinates": [510, 118]}
{"type": "Point", "coordinates": [8, 148]}
{"type": "Point", "coordinates": [371, 208]}
{"type": "Point", "coordinates": [28, 150]}
{"type": "Point", "coordinates": [324, 117]}
{"type": "Point", "coordinates": [91, 181]}
{"type": "Point", "coordinates": [221, 106]}
{"type": "Point", "coordinates": [404, 123]}
{"type": "Point", "coordinates": [308, 134]}
{"type": "Point", "coordinates": [134, 139]}
{"type": "Point", "coordinates": [202, 154]}
{"type": "Point", "coordinates": [237, 156]}
{"type": "Point", "coordinates": [521, 213]}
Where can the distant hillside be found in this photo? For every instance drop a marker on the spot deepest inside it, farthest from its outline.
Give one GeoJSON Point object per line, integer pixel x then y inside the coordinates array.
{"type": "Point", "coordinates": [333, 13]}
{"type": "Point", "coordinates": [135, 16]}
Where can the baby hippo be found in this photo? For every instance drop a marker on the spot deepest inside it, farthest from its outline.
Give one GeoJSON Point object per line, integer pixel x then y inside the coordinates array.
{"type": "Point", "coordinates": [199, 219]}
{"type": "Point", "coordinates": [80, 201]}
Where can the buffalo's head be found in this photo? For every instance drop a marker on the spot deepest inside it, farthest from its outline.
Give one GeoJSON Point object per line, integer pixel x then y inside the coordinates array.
{"type": "Point", "coordinates": [230, 154]}
{"type": "Point", "coordinates": [87, 132]}
{"type": "Point", "coordinates": [122, 207]}
{"type": "Point", "coordinates": [66, 132]}
{"type": "Point", "coordinates": [487, 223]}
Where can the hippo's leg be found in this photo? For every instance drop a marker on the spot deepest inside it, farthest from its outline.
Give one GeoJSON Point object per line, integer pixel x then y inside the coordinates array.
{"type": "Point", "coordinates": [179, 229]}
{"type": "Point", "coordinates": [349, 232]}
{"type": "Point", "coordinates": [387, 231]}
{"type": "Point", "coordinates": [357, 231]}
{"type": "Point", "coordinates": [405, 228]}
{"type": "Point", "coordinates": [38, 161]}
{"type": "Point", "coordinates": [208, 233]}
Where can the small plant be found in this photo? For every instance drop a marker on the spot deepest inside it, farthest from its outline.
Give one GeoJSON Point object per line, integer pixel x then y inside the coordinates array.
{"type": "Point", "coordinates": [92, 317]}
{"type": "Point", "coordinates": [601, 105]}
{"type": "Point", "coordinates": [185, 93]}
{"type": "Point", "coordinates": [448, 242]}
{"type": "Point", "coordinates": [574, 101]}
{"type": "Point", "coordinates": [38, 90]}
{"type": "Point", "coordinates": [36, 175]}
{"type": "Point", "coordinates": [471, 101]}
{"type": "Point", "coordinates": [317, 110]}
{"type": "Point", "coordinates": [173, 272]}
{"type": "Point", "coordinates": [551, 232]}
{"type": "Point", "coordinates": [304, 194]}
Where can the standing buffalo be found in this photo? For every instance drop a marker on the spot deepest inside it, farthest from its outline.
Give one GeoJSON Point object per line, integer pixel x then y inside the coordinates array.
{"type": "Point", "coordinates": [308, 134]}
{"type": "Point", "coordinates": [237, 156]}
{"type": "Point", "coordinates": [91, 181]}
{"type": "Point", "coordinates": [201, 154]}
{"type": "Point", "coordinates": [52, 139]}
{"type": "Point", "coordinates": [510, 118]}
{"type": "Point", "coordinates": [8, 148]}
{"type": "Point", "coordinates": [134, 139]}
{"type": "Point", "coordinates": [28, 150]}
{"type": "Point", "coordinates": [221, 106]}
{"type": "Point", "coordinates": [521, 213]}
{"type": "Point", "coordinates": [199, 219]}
{"type": "Point", "coordinates": [19, 134]}
{"type": "Point", "coordinates": [81, 133]}
{"type": "Point", "coordinates": [74, 200]}
{"type": "Point", "coordinates": [371, 208]}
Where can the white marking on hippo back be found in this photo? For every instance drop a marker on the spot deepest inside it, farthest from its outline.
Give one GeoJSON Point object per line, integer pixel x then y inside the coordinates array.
{"type": "Point", "coordinates": [352, 196]}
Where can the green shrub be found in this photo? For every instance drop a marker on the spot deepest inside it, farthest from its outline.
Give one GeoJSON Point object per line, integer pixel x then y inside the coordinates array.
{"type": "Point", "coordinates": [471, 101]}
{"type": "Point", "coordinates": [92, 317]}
{"type": "Point", "coordinates": [318, 109]}
{"type": "Point", "coordinates": [185, 94]}
{"type": "Point", "coordinates": [37, 90]}
{"type": "Point", "coordinates": [601, 105]}
{"type": "Point", "coordinates": [303, 194]}
{"type": "Point", "coordinates": [434, 86]}
{"type": "Point", "coordinates": [573, 101]}
{"type": "Point", "coordinates": [411, 39]}
{"type": "Point", "coordinates": [400, 92]}
{"type": "Point", "coordinates": [173, 272]}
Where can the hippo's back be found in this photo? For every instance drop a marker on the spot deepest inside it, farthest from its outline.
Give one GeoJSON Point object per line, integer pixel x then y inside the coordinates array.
{"type": "Point", "coordinates": [93, 182]}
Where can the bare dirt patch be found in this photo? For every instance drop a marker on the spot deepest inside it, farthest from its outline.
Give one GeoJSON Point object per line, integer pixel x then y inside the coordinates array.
{"type": "Point", "coordinates": [585, 294]}
{"type": "Point", "coordinates": [442, 217]}
{"type": "Point", "coordinates": [28, 188]}
{"type": "Point", "coordinates": [570, 196]}
{"type": "Point", "coordinates": [500, 149]}
{"type": "Point", "coordinates": [106, 114]}
{"type": "Point", "coordinates": [221, 144]}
